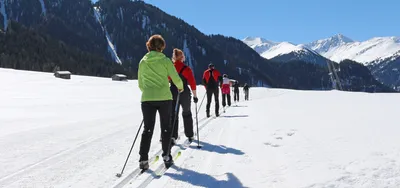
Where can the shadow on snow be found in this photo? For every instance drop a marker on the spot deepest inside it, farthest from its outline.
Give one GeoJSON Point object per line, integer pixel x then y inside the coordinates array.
{"type": "Point", "coordinates": [221, 149]}
{"type": "Point", "coordinates": [233, 116]}
{"type": "Point", "coordinates": [204, 180]}
{"type": "Point", "coordinates": [239, 106]}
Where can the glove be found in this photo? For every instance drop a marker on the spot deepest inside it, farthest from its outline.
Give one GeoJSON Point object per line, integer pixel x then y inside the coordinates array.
{"type": "Point", "coordinates": [195, 99]}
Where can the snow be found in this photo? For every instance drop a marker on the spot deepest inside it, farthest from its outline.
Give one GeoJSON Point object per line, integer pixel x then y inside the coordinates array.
{"type": "Point", "coordinates": [188, 56]}
{"type": "Point", "coordinates": [203, 51]}
{"type": "Point", "coordinates": [121, 14]}
{"type": "Point", "coordinates": [145, 21]}
{"type": "Point", "coordinates": [363, 52]}
{"type": "Point", "coordinates": [77, 133]}
{"type": "Point", "coordinates": [43, 7]}
{"type": "Point", "coordinates": [111, 48]}
{"type": "Point", "coordinates": [63, 72]}
{"type": "Point", "coordinates": [335, 48]}
{"type": "Point", "coordinates": [4, 13]}
{"type": "Point", "coordinates": [282, 48]}
{"type": "Point", "coordinates": [260, 45]}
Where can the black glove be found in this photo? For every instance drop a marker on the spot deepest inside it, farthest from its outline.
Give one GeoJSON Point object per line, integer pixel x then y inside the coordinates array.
{"type": "Point", "coordinates": [195, 99]}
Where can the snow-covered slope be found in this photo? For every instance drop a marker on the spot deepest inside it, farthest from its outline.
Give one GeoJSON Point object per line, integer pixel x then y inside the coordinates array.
{"type": "Point", "coordinates": [284, 51]}
{"type": "Point", "coordinates": [338, 48]}
{"type": "Point", "coordinates": [260, 45]}
{"type": "Point", "coordinates": [77, 133]}
{"type": "Point", "coordinates": [335, 48]}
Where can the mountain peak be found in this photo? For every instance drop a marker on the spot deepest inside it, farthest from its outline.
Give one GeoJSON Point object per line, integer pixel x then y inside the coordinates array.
{"type": "Point", "coordinates": [257, 41]}
{"type": "Point", "coordinates": [341, 38]}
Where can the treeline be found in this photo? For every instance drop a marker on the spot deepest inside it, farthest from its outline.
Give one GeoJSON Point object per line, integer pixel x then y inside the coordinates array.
{"type": "Point", "coordinates": [26, 49]}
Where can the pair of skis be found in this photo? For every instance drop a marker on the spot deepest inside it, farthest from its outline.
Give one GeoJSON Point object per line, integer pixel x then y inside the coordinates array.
{"type": "Point", "coordinates": [162, 169]}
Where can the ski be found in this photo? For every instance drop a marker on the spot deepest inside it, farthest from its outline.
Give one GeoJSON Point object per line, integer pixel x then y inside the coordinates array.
{"type": "Point", "coordinates": [136, 173]}
{"type": "Point", "coordinates": [162, 169]}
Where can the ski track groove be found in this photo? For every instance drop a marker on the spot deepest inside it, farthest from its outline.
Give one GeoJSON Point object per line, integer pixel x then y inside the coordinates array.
{"type": "Point", "coordinates": [136, 171]}
{"type": "Point", "coordinates": [207, 160]}
{"type": "Point", "coordinates": [150, 178]}
{"type": "Point", "coordinates": [55, 159]}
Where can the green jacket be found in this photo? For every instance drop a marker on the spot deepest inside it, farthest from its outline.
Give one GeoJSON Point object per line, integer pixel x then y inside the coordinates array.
{"type": "Point", "coordinates": [154, 69]}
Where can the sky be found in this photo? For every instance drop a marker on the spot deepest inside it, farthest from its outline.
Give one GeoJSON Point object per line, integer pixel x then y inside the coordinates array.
{"type": "Point", "coordinates": [296, 21]}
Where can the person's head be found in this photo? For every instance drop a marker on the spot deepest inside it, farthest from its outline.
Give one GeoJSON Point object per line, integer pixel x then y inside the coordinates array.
{"type": "Point", "coordinates": [178, 55]}
{"type": "Point", "coordinates": [237, 82]}
{"type": "Point", "coordinates": [211, 66]}
{"type": "Point", "coordinates": [245, 84]}
{"type": "Point", "coordinates": [225, 76]}
{"type": "Point", "coordinates": [155, 43]}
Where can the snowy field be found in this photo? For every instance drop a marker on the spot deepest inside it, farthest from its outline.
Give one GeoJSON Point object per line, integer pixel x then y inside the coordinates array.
{"type": "Point", "coordinates": [77, 133]}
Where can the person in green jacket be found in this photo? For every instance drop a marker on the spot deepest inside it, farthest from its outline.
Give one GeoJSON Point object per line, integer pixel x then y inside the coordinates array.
{"type": "Point", "coordinates": [153, 73]}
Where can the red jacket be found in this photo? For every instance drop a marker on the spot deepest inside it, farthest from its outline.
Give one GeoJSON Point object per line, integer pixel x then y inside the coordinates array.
{"type": "Point", "coordinates": [216, 75]}
{"type": "Point", "coordinates": [187, 74]}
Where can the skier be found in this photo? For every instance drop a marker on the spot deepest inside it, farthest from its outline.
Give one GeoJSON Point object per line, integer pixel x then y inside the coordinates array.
{"type": "Point", "coordinates": [153, 73]}
{"type": "Point", "coordinates": [226, 90]}
{"type": "Point", "coordinates": [246, 91]}
{"type": "Point", "coordinates": [236, 91]}
{"type": "Point", "coordinates": [186, 74]}
{"type": "Point", "coordinates": [211, 80]}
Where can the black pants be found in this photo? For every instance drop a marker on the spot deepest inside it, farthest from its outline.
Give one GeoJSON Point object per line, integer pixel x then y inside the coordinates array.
{"type": "Point", "coordinates": [226, 97]}
{"type": "Point", "coordinates": [236, 95]}
{"type": "Point", "coordinates": [246, 95]}
{"type": "Point", "coordinates": [185, 103]}
{"type": "Point", "coordinates": [210, 93]}
{"type": "Point", "coordinates": [149, 110]}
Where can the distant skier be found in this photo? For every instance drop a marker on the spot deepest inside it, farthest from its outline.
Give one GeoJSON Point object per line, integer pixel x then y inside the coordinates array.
{"type": "Point", "coordinates": [226, 90]}
{"type": "Point", "coordinates": [187, 76]}
{"type": "Point", "coordinates": [236, 91]}
{"type": "Point", "coordinates": [153, 73]}
{"type": "Point", "coordinates": [211, 80]}
{"type": "Point", "coordinates": [246, 91]}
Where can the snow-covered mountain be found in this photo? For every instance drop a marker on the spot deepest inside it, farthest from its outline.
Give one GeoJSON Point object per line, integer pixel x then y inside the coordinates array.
{"type": "Point", "coordinates": [380, 54]}
{"type": "Point", "coordinates": [339, 47]}
{"type": "Point", "coordinates": [284, 51]}
{"type": "Point", "coordinates": [335, 48]}
{"type": "Point", "coordinates": [260, 45]}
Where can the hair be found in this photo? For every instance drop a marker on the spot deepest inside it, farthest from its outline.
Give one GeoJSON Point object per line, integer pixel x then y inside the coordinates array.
{"type": "Point", "coordinates": [155, 43]}
{"type": "Point", "coordinates": [178, 55]}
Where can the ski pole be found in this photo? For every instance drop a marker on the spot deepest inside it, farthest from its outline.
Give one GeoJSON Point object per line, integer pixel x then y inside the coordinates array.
{"type": "Point", "coordinates": [202, 100]}
{"type": "Point", "coordinates": [137, 134]}
{"type": "Point", "coordinates": [173, 125]}
{"type": "Point", "coordinates": [197, 125]}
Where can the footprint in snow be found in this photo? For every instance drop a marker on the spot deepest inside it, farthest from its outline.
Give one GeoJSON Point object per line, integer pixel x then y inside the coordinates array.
{"type": "Point", "coordinates": [272, 145]}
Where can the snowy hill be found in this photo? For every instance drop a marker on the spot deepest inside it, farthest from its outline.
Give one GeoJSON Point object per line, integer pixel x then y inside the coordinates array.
{"type": "Point", "coordinates": [77, 133]}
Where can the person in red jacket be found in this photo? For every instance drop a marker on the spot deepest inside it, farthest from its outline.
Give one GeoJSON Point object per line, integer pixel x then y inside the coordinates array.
{"type": "Point", "coordinates": [211, 80]}
{"type": "Point", "coordinates": [187, 76]}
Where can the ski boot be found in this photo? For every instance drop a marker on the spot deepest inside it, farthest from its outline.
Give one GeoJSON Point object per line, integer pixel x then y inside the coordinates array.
{"type": "Point", "coordinates": [144, 165]}
{"type": "Point", "coordinates": [191, 139]}
{"type": "Point", "coordinates": [168, 162]}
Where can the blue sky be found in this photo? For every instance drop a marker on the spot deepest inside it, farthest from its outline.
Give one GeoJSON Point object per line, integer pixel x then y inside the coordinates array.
{"type": "Point", "coordinates": [297, 21]}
